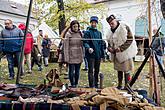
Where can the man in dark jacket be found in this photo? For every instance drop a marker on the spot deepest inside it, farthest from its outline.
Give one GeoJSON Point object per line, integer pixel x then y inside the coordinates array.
{"type": "Point", "coordinates": [158, 45]}
{"type": "Point", "coordinates": [46, 43]}
{"type": "Point", "coordinates": [94, 51]}
{"type": "Point", "coordinates": [10, 44]}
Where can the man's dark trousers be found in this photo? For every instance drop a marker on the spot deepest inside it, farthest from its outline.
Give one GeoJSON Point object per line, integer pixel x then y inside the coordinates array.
{"type": "Point", "coordinates": [93, 72]}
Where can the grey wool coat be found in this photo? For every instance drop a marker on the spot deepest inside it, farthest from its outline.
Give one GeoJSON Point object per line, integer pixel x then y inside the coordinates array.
{"type": "Point", "coordinates": [73, 47]}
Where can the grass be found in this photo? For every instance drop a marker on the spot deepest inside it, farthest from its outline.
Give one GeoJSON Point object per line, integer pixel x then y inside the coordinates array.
{"type": "Point", "coordinates": [110, 77]}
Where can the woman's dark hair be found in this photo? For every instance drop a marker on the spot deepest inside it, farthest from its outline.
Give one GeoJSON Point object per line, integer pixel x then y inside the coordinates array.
{"type": "Point", "coordinates": [70, 27]}
{"type": "Point", "coordinates": [73, 23]}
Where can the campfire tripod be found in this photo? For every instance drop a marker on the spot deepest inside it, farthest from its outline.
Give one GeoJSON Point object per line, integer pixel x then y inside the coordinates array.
{"type": "Point", "coordinates": [150, 52]}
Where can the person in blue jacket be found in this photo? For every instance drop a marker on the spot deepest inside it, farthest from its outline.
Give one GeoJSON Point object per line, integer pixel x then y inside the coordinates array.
{"type": "Point", "coordinates": [46, 43]}
{"type": "Point", "coordinates": [158, 45]}
{"type": "Point", "coordinates": [10, 44]}
{"type": "Point", "coordinates": [94, 51]}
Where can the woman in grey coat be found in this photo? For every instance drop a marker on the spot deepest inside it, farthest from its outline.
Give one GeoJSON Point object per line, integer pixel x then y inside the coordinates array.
{"type": "Point", "coordinates": [73, 51]}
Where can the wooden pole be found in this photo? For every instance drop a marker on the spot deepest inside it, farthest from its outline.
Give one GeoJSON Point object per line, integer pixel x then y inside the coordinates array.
{"type": "Point", "coordinates": [156, 86]}
{"type": "Point", "coordinates": [154, 89]}
{"type": "Point", "coordinates": [151, 89]}
{"type": "Point", "coordinates": [24, 41]}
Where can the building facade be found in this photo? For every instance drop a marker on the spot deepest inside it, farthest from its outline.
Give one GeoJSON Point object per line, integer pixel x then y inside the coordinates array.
{"type": "Point", "coordinates": [17, 13]}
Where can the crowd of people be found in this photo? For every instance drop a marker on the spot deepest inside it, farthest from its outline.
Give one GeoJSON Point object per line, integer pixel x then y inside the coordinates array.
{"type": "Point", "coordinates": [121, 45]}
{"type": "Point", "coordinates": [76, 43]}
{"type": "Point", "coordinates": [75, 47]}
{"type": "Point", "coordinates": [11, 43]}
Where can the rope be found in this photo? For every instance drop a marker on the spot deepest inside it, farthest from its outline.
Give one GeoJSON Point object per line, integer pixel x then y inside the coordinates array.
{"type": "Point", "coordinates": [3, 39]}
{"type": "Point", "coordinates": [76, 38]}
{"type": "Point", "coordinates": [52, 38]}
{"type": "Point", "coordinates": [84, 39]}
{"type": "Point", "coordinates": [11, 38]}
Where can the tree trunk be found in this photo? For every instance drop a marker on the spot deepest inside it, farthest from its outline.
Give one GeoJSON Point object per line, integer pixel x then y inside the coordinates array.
{"type": "Point", "coordinates": [62, 16]}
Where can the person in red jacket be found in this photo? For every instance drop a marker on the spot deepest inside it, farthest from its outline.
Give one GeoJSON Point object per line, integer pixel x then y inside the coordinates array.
{"type": "Point", "coordinates": [27, 49]}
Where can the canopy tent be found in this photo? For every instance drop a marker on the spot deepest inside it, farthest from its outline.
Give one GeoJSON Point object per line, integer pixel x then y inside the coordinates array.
{"type": "Point", "coordinates": [47, 30]}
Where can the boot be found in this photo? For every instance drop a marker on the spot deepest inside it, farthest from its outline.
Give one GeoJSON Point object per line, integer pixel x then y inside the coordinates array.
{"type": "Point", "coordinates": [120, 79]}
{"type": "Point", "coordinates": [127, 79]}
{"type": "Point", "coordinates": [60, 68]}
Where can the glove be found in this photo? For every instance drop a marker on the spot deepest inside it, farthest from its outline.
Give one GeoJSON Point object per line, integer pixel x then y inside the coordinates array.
{"type": "Point", "coordinates": [90, 50]}
{"type": "Point", "coordinates": [39, 55]}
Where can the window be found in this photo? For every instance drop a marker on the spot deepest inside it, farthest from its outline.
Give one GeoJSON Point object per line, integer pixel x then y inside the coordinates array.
{"type": "Point", "coordinates": [141, 26]}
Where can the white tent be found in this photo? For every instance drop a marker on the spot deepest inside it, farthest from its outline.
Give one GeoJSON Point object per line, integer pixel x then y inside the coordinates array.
{"type": "Point", "coordinates": [47, 30]}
